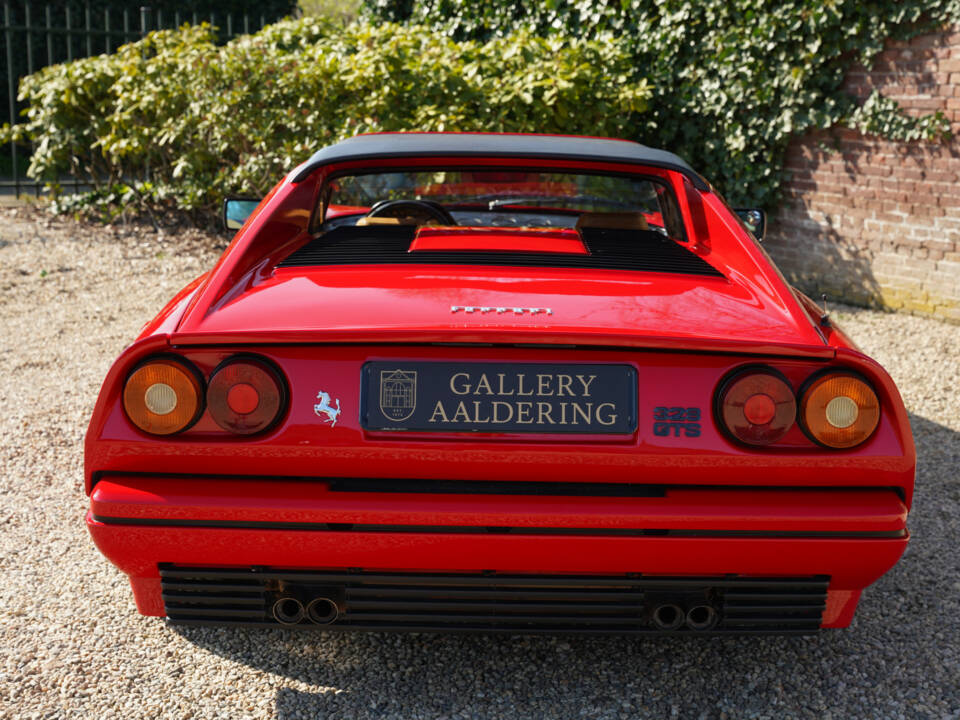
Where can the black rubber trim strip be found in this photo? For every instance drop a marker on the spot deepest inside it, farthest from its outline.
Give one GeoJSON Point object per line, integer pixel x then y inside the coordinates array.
{"type": "Point", "coordinates": [489, 530]}
{"type": "Point", "coordinates": [390, 146]}
{"type": "Point", "coordinates": [497, 487]}
{"type": "Point", "coordinates": [481, 579]}
{"type": "Point", "coordinates": [828, 356]}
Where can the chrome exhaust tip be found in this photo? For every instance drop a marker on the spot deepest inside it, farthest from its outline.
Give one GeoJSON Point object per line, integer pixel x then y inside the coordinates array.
{"type": "Point", "coordinates": [668, 617]}
{"type": "Point", "coordinates": [322, 611]}
{"type": "Point", "coordinates": [288, 611]}
{"type": "Point", "coordinates": [701, 617]}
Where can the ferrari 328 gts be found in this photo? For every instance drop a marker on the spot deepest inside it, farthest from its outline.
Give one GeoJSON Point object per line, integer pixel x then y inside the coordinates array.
{"type": "Point", "coordinates": [497, 383]}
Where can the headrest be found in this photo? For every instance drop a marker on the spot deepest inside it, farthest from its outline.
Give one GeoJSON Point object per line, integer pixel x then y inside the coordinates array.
{"type": "Point", "coordinates": [367, 221]}
{"type": "Point", "coordinates": [613, 221]}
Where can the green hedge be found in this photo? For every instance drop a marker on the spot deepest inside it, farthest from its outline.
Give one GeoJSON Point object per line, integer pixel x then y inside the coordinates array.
{"type": "Point", "coordinates": [81, 43]}
{"type": "Point", "coordinates": [733, 80]}
{"type": "Point", "coordinates": [201, 121]}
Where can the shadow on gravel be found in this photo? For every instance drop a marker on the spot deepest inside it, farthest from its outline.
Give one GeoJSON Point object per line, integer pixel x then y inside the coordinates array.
{"type": "Point", "coordinates": [896, 658]}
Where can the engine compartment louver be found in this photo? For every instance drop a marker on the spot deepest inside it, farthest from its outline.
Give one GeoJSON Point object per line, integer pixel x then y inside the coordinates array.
{"type": "Point", "coordinates": [608, 250]}
{"type": "Point", "coordinates": [490, 602]}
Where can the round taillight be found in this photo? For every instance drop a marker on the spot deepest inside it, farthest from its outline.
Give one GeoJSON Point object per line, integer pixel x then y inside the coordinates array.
{"type": "Point", "coordinates": [245, 396]}
{"type": "Point", "coordinates": [163, 396]}
{"type": "Point", "coordinates": [839, 410]}
{"type": "Point", "coordinates": [757, 407]}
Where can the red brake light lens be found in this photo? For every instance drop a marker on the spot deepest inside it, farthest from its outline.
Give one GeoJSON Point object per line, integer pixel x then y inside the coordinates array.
{"type": "Point", "coordinates": [757, 407]}
{"type": "Point", "coordinates": [245, 396]}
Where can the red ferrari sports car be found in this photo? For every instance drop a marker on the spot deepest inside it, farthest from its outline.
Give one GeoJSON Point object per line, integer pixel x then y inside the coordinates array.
{"type": "Point", "coordinates": [497, 383]}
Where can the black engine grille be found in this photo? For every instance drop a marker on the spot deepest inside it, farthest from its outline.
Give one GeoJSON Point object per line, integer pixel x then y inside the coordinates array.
{"type": "Point", "coordinates": [492, 602]}
{"type": "Point", "coordinates": [609, 250]}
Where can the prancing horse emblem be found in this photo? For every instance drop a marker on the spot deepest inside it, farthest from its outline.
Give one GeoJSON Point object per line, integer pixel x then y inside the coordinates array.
{"type": "Point", "coordinates": [325, 408]}
{"type": "Point", "coordinates": [398, 394]}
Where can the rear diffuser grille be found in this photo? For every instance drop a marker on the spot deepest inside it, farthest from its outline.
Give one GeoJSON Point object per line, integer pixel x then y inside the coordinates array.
{"type": "Point", "coordinates": [609, 250]}
{"type": "Point", "coordinates": [491, 602]}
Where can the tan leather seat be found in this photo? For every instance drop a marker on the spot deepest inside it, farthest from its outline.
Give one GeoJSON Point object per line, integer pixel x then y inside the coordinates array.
{"type": "Point", "coordinates": [612, 221]}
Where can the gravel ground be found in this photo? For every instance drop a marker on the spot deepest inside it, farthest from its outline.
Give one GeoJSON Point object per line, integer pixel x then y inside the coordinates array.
{"type": "Point", "coordinates": [74, 646]}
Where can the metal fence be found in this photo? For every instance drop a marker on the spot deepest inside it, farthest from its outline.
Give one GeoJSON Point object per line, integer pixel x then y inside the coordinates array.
{"type": "Point", "coordinates": [35, 36]}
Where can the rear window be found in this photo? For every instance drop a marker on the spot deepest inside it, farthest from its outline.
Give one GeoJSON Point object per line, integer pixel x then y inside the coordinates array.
{"type": "Point", "coordinates": [498, 198]}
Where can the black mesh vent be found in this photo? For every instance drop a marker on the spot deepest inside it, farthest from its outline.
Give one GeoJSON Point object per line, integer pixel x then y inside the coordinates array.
{"type": "Point", "coordinates": [448, 602]}
{"type": "Point", "coordinates": [609, 250]}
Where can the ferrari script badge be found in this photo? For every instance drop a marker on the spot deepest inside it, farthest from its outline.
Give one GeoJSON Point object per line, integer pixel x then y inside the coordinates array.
{"type": "Point", "coordinates": [398, 393]}
{"type": "Point", "coordinates": [484, 309]}
{"type": "Point", "coordinates": [325, 408]}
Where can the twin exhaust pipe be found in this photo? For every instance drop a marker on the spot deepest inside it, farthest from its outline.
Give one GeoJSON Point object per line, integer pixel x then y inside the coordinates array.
{"type": "Point", "coordinates": [289, 610]}
{"type": "Point", "coordinates": [672, 617]}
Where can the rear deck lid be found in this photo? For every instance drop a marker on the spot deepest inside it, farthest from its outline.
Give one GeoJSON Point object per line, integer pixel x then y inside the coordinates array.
{"type": "Point", "coordinates": [414, 302]}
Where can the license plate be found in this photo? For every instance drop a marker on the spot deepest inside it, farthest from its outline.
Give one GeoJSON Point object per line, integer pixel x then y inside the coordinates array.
{"type": "Point", "coordinates": [499, 397]}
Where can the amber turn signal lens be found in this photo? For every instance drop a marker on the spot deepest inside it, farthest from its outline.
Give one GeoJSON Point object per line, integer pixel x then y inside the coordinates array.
{"type": "Point", "coordinates": [839, 410]}
{"type": "Point", "coordinates": [245, 396]}
{"type": "Point", "coordinates": [757, 407]}
{"type": "Point", "coordinates": [162, 396]}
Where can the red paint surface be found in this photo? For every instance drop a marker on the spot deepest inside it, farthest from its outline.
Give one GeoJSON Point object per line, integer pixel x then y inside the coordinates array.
{"type": "Point", "coordinates": [561, 241]}
{"type": "Point", "coordinates": [276, 500]}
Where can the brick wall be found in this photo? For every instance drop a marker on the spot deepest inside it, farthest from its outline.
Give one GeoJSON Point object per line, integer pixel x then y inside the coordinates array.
{"type": "Point", "coordinates": [873, 222]}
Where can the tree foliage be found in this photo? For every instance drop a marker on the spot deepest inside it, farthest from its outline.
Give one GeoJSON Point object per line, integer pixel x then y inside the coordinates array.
{"type": "Point", "coordinates": [733, 80]}
{"type": "Point", "coordinates": [342, 10]}
{"type": "Point", "coordinates": [175, 119]}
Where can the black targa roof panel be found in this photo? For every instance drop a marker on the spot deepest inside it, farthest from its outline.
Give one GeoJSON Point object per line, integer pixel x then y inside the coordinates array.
{"type": "Point", "coordinates": [505, 145]}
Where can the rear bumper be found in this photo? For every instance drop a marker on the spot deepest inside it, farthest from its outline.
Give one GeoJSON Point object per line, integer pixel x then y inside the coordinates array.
{"type": "Point", "coordinates": [847, 537]}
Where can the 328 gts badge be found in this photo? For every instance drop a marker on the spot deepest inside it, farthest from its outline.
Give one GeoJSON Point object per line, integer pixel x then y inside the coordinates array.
{"type": "Point", "coordinates": [676, 421]}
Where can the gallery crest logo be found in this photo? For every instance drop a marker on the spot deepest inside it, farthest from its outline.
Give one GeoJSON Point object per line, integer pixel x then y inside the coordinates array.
{"type": "Point", "coordinates": [398, 393]}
